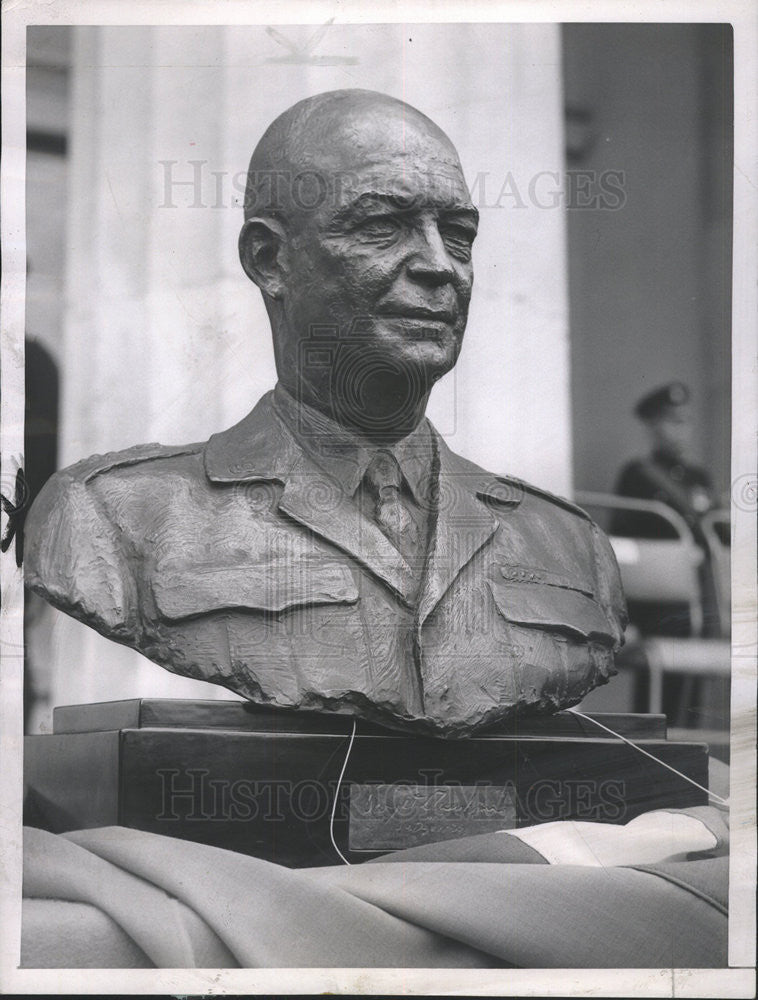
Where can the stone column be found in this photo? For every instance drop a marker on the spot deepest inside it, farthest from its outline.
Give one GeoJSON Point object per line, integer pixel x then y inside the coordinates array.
{"type": "Point", "coordinates": [164, 337]}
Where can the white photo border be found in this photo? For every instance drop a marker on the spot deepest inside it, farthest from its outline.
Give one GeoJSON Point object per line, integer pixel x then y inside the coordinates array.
{"type": "Point", "coordinates": [736, 981]}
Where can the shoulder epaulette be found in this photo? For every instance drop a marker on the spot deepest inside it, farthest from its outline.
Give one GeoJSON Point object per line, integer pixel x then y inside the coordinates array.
{"type": "Point", "coordinates": [93, 466]}
{"type": "Point", "coordinates": [552, 497]}
{"type": "Point", "coordinates": [502, 489]}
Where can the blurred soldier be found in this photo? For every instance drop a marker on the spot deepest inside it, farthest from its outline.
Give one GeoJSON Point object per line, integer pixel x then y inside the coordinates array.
{"type": "Point", "coordinates": [665, 474]}
{"type": "Point", "coordinates": [668, 475]}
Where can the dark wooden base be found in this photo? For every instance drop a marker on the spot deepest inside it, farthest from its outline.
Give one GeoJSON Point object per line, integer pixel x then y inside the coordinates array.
{"type": "Point", "coordinates": [267, 786]}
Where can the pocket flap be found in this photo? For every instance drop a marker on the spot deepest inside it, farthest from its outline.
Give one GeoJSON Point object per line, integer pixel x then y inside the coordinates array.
{"type": "Point", "coordinates": [270, 586]}
{"type": "Point", "coordinates": [549, 607]}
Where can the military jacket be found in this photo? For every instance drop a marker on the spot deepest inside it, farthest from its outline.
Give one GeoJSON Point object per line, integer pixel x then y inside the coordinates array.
{"type": "Point", "coordinates": [238, 561]}
{"type": "Point", "coordinates": [685, 488]}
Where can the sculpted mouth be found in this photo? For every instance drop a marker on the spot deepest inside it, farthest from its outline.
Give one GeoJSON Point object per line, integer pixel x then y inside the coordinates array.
{"type": "Point", "coordinates": [420, 312]}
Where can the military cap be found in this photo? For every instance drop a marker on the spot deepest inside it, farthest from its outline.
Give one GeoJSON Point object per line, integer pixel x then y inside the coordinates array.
{"type": "Point", "coordinates": [655, 403]}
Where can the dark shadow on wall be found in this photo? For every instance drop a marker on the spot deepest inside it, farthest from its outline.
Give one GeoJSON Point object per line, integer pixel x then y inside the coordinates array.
{"type": "Point", "coordinates": [41, 417]}
{"type": "Point", "coordinates": [40, 462]}
{"type": "Point", "coordinates": [650, 121]}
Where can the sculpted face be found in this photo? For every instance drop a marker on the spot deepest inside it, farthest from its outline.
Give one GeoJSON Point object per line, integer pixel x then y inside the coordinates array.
{"type": "Point", "coordinates": [378, 271]}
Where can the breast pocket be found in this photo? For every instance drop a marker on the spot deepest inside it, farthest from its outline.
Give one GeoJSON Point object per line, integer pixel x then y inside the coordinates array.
{"type": "Point", "coordinates": [556, 609]}
{"type": "Point", "coordinates": [271, 588]}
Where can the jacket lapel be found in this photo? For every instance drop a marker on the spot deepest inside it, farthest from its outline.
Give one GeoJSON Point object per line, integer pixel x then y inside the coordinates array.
{"type": "Point", "coordinates": [464, 522]}
{"type": "Point", "coordinates": [261, 448]}
{"type": "Point", "coordinates": [318, 503]}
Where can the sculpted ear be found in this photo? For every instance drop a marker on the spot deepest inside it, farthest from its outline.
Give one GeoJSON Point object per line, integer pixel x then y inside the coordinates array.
{"type": "Point", "coordinates": [263, 253]}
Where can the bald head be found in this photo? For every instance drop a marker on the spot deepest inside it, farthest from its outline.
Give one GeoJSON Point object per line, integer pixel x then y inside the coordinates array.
{"type": "Point", "coordinates": [320, 140]}
{"type": "Point", "coordinates": [358, 229]}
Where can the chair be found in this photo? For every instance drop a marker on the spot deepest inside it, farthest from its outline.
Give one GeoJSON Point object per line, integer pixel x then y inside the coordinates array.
{"type": "Point", "coordinates": [667, 570]}
{"type": "Point", "coordinates": [664, 570]}
{"type": "Point", "coordinates": [716, 525]}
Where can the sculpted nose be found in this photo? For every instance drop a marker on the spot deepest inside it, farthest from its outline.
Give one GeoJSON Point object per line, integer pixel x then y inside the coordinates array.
{"type": "Point", "coordinates": [430, 260]}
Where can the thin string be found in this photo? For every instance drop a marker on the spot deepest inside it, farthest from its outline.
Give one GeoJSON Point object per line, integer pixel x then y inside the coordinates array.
{"type": "Point", "coordinates": [337, 794]}
{"type": "Point", "coordinates": [710, 794]}
{"type": "Point", "coordinates": [588, 718]}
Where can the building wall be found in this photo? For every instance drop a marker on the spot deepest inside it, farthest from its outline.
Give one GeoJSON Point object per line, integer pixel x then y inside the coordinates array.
{"type": "Point", "coordinates": [47, 112]}
{"type": "Point", "coordinates": [650, 281]}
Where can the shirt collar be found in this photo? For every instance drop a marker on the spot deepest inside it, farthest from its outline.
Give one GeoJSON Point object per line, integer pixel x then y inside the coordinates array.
{"type": "Point", "coordinates": [345, 455]}
{"type": "Point", "coordinates": [663, 457]}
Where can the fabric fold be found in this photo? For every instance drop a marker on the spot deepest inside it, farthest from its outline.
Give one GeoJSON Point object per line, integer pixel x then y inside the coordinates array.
{"type": "Point", "coordinates": [484, 902]}
{"type": "Point", "coordinates": [270, 916]}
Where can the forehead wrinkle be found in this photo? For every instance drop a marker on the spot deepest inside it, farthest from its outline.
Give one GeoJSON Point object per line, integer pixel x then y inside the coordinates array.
{"type": "Point", "coordinates": [404, 183]}
{"type": "Point", "coordinates": [365, 199]}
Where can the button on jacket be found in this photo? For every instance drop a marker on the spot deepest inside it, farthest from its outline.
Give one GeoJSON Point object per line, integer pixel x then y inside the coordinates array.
{"type": "Point", "coordinates": [247, 561]}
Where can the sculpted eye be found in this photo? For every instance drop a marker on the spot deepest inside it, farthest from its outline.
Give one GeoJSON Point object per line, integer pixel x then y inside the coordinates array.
{"type": "Point", "coordinates": [378, 227]}
{"type": "Point", "coordinates": [458, 240]}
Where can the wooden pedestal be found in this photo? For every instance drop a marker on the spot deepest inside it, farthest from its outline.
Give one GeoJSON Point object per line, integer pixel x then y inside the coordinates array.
{"type": "Point", "coordinates": [264, 783]}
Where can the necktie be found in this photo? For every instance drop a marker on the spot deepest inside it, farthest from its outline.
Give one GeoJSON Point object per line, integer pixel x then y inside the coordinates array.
{"type": "Point", "coordinates": [384, 480]}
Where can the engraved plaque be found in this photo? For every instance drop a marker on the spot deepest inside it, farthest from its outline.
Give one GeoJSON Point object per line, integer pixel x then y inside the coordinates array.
{"type": "Point", "coordinates": [391, 817]}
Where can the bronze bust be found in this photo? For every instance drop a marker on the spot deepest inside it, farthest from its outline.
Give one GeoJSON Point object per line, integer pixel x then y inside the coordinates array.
{"type": "Point", "coordinates": [329, 552]}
